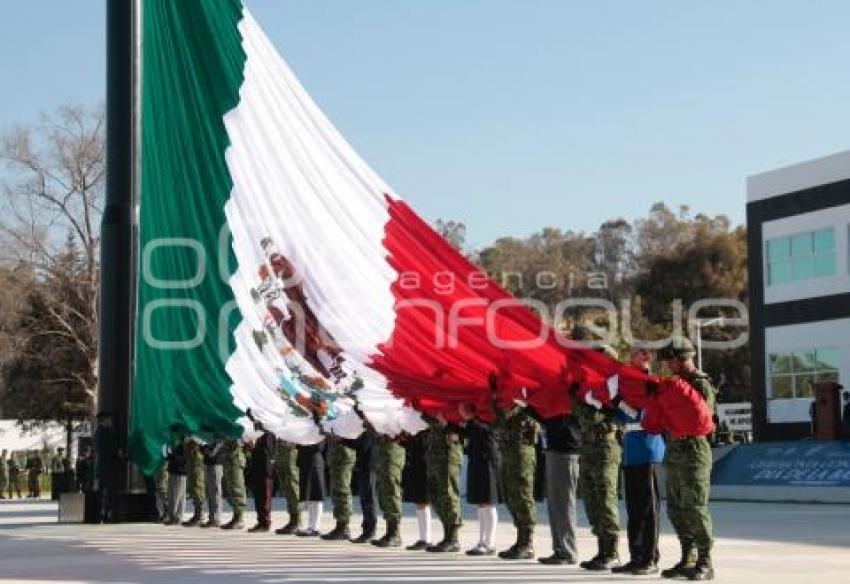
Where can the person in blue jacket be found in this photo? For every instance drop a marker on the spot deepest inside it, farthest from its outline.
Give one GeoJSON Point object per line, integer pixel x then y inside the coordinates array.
{"type": "Point", "coordinates": [642, 453]}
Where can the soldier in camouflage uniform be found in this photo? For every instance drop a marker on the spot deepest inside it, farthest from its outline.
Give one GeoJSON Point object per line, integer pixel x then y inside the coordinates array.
{"type": "Point", "coordinates": [234, 483]}
{"type": "Point", "coordinates": [599, 471]}
{"type": "Point", "coordinates": [4, 474]}
{"type": "Point", "coordinates": [444, 456]}
{"type": "Point", "coordinates": [517, 437]}
{"type": "Point", "coordinates": [195, 482]}
{"type": "Point", "coordinates": [688, 466]}
{"type": "Point", "coordinates": [341, 456]}
{"type": "Point", "coordinates": [286, 473]}
{"type": "Point", "coordinates": [389, 465]}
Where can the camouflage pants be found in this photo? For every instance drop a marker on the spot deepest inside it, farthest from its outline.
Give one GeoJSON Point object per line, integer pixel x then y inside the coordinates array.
{"type": "Point", "coordinates": [389, 464]}
{"type": "Point", "coordinates": [518, 466]}
{"type": "Point", "coordinates": [341, 460]}
{"type": "Point", "coordinates": [688, 465]}
{"type": "Point", "coordinates": [233, 487]}
{"type": "Point", "coordinates": [286, 472]}
{"type": "Point", "coordinates": [15, 484]}
{"type": "Point", "coordinates": [599, 474]}
{"type": "Point", "coordinates": [443, 466]}
{"type": "Point", "coordinates": [3, 480]}
{"type": "Point", "coordinates": [195, 479]}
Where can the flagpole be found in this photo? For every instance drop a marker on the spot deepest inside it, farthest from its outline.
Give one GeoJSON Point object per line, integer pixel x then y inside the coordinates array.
{"type": "Point", "coordinates": [118, 230]}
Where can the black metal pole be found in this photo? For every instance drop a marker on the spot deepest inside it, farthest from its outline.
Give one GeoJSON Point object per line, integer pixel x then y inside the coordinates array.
{"type": "Point", "coordinates": [117, 256]}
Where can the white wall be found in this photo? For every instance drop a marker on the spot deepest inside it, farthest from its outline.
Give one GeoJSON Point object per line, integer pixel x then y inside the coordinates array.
{"type": "Point", "coordinates": [797, 337]}
{"type": "Point", "coordinates": [796, 177]}
{"type": "Point", "coordinates": [836, 217]}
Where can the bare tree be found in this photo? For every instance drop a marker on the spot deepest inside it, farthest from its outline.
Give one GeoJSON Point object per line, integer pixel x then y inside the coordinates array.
{"type": "Point", "coordinates": [52, 202]}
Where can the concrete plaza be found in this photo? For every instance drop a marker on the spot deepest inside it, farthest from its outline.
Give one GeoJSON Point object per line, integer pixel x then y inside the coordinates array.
{"type": "Point", "coordinates": [756, 542]}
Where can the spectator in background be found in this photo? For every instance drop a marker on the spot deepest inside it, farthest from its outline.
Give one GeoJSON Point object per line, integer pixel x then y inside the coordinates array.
{"type": "Point", "coordinates": [176, 458]}
{"type": "Point", "coordinates": [34, 468]}
{"type": "Point", "coordinates": [845, 413]}
{"type": "Point", "coordinates": [105, 463]}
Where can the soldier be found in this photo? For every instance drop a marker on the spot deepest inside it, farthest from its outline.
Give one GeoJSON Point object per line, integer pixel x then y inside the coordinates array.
{"type": "Point", "coordinates": [341, 457]}
{"type": "Point", "coordinates": [214, 455]}
{"type": "Point", "coordinates": [286, 472]}
{"type": "Point", "coordinates": [517, 437]}
{"type": "Point", "coordinates": [234, 490]}
{"type": "Point", "coordinates": [688, 466]}
{"type": "Point", "coordinates": [261, 472]}
{"type": "Point", "coordinates": [195, 482]}
{"type": "Point", "coordinates": [389, 465]}
{"type": "Point", "coordinates": [364, 470]}
{"type": "Point", "coordinates": [444, 456]}
{"type": "Point", "coordinates": [4, 473]}
{"type": "Point", "coordinates": [599, 474]}
{"type": "Point", "coordinates": [14, 472]}
{"type": "Point", "coordinates": [34, 468]}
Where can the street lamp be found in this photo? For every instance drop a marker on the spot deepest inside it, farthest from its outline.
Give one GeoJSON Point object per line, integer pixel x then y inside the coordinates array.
{"type": "Point", "coordinates": [701, 322]}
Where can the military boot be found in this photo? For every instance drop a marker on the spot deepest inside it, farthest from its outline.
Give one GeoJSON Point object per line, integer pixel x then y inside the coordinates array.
{"type": "Point", "coordinates": [235, 523]}
{"type": "Point", "coordinates": [195, 520]}
{"type": "Point", "coordinates": [702, 570]}
{"type": "Point", "coordinates": [365, 537]}
{"type": "Point", "coordinates": [291, 527]}
{"type": "Point", "coordinates": [681, 569]}
{"type": "Point", "coordinates": [523, 549]}
{"type": "Point", "coordinates": [391, 539]}
{"type": "Point", "coordinates": [607, 557]}
{"type": "Point", "coordinates": [338, 533]}
{"type": "Point", "coordinates": [449, 543]}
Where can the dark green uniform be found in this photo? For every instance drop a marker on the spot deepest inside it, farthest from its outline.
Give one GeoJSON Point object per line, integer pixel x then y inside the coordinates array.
{"type": "Point", "coordinates": [389, 464]}
{"type": "Point", "coordinates": [286, 473]}
{"type": "Point", "coordinates": [234, 480]}
{"type": "Point", "coordinates": [444, 456]}
{"type": "Point", "coordinates": [4, 474]}
{"type": "Point", "coordinates": [341, 459]}
{"type": "Point", "coordinates": [688, 466]}
{"type": "Point", "coordinates": [599, 471]}
{"type": "Point", "coordinates": [195, 480]}
{"type": "Point", "coordinates": [517, 436]}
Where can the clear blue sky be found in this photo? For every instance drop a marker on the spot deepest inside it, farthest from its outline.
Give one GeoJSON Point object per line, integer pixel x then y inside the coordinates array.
{"type": "Point", "coordinates": [512, 115]}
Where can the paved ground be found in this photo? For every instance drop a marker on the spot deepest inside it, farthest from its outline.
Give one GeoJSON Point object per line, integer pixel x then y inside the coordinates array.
{"type": "Point", "coordinates": [757, 542]}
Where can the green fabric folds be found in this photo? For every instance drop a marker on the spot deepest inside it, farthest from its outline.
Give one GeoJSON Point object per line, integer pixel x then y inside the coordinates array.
{"type": "Point", "coordinates": [193, 65]}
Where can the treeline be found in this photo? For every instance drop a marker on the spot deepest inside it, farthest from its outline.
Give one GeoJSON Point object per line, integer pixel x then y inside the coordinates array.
{"type": "Point", "coordinates": [644, 269]}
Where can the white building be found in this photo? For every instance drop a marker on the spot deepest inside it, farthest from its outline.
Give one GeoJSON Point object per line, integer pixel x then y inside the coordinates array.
{"type": "Point", "coordinates": [798, 221]}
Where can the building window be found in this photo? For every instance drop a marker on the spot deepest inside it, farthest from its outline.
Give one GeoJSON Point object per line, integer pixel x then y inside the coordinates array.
{"type": "Point", "coordinates": [793, 375]}
{"type": "Point", "coordinates": [804, 256]}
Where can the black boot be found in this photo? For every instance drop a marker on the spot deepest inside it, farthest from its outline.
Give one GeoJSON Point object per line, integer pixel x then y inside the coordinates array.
{"type": "Point", "coordinates": [195, 520]}
{"type": "Point", "coordinates": [702, 570]}
{"type": "Point", "coordinates": [365, 537]}
{"type": "Point", "coordinates": [291, 527]}
{"type": "Point", "coordinates": [235, 523]}
{"type": "Point", "coordinates": [449, 543]}
{"type": "Point", "coordinates": [338, 533]}
{"type": "Point", "coordinates": [607, 557]}
{"type": "Point", "coordinates": [418, 546]}
{"type": "Point", "coordinates": [391, 539]}
{"type": "Point", "coordinates": [523, 549]}
{"type": "Point", "coordinates": [684, 566]}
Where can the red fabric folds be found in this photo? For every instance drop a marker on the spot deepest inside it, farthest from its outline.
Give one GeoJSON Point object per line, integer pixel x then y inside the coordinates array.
{"type": "Point", "coordinates": [459, 337]}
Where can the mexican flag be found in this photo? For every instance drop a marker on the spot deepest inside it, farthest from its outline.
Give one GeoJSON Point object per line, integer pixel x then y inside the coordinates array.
{"type": "Point", "coordinates": [281, 277]}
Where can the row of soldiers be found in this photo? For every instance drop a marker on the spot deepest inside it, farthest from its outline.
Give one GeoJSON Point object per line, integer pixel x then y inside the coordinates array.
{"type": "Point", "coordinates": [582, 448]}
{"type": "Point", "coordinates": [32, 466]}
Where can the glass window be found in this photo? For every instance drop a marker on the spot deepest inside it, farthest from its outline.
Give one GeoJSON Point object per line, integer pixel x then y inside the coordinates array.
{"type": "Point", "coordinates": [824, 240]}
{"type": "Point", "coordinates": [782, 387]}
{"type": "Point", "coordinates": [779, 272]}
{"type": "Point", "coordinates": [828, 359]}
{"type": "Point", "coordinates": [824, 265]}
{"type": "Point", "coordinates": [778, 249]}
{"type": "Point", "coordinates": [799, 257]}
{"type": "Point", "coordinates": [794, 374]}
